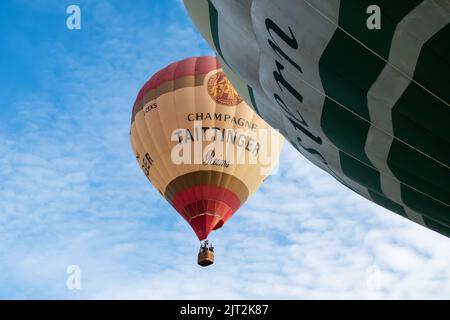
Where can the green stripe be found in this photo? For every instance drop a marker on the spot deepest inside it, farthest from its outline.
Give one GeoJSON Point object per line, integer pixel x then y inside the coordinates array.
{"type": "Point", "coordinates": [419, 171]}
{"type": "Point", "coordinates": [360, 172]}
{"type": "Point", "coordinates": [396, 10]}
{"type": "Point", "coordinates": [347, 71]}
{"type": "Point", "coordinates": [380, 199]}
{"type": "Point", "coordinates": [346, 131]}
{"type": "Point", "coordinates": [433, 225]}
{"type": "Point", "coordinates": [426, 206]}
{"type": "Point", "coordinates": [253, 101]}
{"type": "Point", "coordinates": [433, 69]}
{"type": "Point", "coordinates": [353, 17]}
{"type": "Point", "coordinates": [421, 120]}
{"type": "Point", "coordinates": [214, 23]}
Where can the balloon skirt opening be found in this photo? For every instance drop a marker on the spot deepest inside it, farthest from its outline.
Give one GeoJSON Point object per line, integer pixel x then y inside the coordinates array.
{"type": "Point", "coordinates": [203, 224]}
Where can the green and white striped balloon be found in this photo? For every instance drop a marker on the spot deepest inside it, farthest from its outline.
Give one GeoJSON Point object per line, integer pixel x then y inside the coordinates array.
{"type": "Point", "coordinates": [369, 106]}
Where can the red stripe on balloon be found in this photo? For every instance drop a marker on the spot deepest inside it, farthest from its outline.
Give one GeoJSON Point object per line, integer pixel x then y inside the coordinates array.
{"type": "Point", "coordinates": [206, 207]}
{"type": "Point", "coordinates": [206, 192]}
{"type": "Point", "coordinates": [187, 67]}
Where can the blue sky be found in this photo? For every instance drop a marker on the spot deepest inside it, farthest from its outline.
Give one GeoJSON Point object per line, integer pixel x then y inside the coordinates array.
{"type": "Point", "coordinates": [72, 194]}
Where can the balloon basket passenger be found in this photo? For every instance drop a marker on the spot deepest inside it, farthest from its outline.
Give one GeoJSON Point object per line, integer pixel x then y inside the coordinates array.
{"type": "Point", "coordinates": [206, 254]}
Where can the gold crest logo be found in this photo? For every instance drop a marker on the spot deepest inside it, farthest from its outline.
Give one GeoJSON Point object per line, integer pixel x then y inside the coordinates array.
{"type": "Point", "coordinates": [222, 91]}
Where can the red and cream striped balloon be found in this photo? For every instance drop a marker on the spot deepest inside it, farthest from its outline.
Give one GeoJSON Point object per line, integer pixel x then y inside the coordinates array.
{"type": "Point", "coordinates": [201, 146]}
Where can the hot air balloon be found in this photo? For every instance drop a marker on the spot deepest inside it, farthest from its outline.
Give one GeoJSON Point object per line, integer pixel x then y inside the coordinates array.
{"type": "Point", "coordinates": [369, 105]}
{"type": "Point", "coordinates": [200, 145]}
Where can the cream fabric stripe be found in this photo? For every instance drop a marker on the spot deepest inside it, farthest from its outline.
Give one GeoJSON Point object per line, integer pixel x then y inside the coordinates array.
{"type": "Point", "coordinates": [199, 12]}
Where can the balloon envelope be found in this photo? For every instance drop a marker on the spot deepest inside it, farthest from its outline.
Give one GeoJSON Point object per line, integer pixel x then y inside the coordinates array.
{"type": "Point", "coordinates": [201, 146]}
{"type": "Point", "coordinates": [369, 106]}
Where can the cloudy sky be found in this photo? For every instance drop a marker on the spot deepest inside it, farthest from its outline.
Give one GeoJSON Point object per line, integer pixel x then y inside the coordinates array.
{"type": "Point", "coordinates": [71, 192]}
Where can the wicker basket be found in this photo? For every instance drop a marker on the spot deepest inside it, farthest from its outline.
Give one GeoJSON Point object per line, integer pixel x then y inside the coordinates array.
{"type": "Point", "coordinates": [205, 258]}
